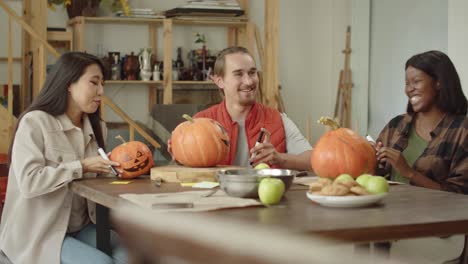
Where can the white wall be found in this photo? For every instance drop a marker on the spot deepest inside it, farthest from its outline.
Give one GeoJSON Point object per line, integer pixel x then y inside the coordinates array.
{"type": "Point", "coordinates": [399, 29]}
{"type": "Point", "coordinates": [458, 38]}
{"type": "Point", "coordinates": [360, 46]}
{"type": "Point", "coordinates": [312, 34]}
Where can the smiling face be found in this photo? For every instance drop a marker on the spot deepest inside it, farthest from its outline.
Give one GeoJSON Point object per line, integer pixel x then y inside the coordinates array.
{"type": "Point", "coordinates": [420, 89]}
{"type": "Point", "coordinates": [240, 80]}
{"type": "Point", "coordinates": [85, 94]}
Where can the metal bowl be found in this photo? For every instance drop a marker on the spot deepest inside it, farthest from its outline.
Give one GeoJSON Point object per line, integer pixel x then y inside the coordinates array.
{"type": "Point", "coordinates": [244, 182]}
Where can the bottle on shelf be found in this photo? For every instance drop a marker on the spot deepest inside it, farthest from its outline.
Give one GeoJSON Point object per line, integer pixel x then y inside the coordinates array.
{"type": "Point", "coordinates": [156, 73]}
{"type": "Point", "coordinates": [179, 62]}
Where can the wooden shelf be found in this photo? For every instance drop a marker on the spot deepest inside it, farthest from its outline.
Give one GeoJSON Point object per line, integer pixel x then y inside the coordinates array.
{"type": "Point", "coordinates": [238, 30]}
{"type": "Point", "coordinates": [159, 82]}
{"type": "Point", "coordinates": [194, 82]}
{"type": "Point", "coordinates": [132, 82]}
{"type": "Point", "coordinates": [239, 21]}
{"type": "Point", "coordinates": [235, 21]}
{"type": "Point", "coordinates": [114, 20]}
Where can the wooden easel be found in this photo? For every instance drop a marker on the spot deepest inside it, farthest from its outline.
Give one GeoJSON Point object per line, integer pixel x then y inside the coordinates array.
{"type": "Point", "coordinates": [343, 97]}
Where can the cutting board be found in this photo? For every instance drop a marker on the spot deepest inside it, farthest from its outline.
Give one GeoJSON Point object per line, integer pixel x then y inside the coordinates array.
{"type": "Point", "coordinates": [177, 173]}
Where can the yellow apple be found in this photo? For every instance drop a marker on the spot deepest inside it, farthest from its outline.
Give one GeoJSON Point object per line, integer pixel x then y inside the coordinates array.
{"type": "Point", "coordinates": [377, 184]}
{"type": "Point", "coordinates": [363, 179]}
{"type": "Point", "coordinates": [270, 190]}
{"type": "Point", "coordinates": [344, 177]}
{"type": "Point", "coordinates": [261, 166]}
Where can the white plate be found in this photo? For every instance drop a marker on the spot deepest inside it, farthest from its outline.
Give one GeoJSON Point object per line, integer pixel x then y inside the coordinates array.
{"type": "Point", "coordinates": [346, 201]}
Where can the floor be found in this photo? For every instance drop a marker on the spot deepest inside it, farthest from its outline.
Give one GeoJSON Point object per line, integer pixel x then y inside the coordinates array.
{"type": "Point", "coordinates": [428, 250]}
{"type": "Point", "coordinates": [419, 251]}
{"type": "Point", "coordinates": [424, 250]}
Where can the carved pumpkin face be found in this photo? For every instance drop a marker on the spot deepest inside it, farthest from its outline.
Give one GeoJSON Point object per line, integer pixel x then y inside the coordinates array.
{"type": "Point", "coordinates": [135, 159]}
{"type": "Point", "coordinates": [200, 142]}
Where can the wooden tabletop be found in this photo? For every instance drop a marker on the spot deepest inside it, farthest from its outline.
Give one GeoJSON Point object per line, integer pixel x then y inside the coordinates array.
{"type": "Point", "coordinates": [406, 212]}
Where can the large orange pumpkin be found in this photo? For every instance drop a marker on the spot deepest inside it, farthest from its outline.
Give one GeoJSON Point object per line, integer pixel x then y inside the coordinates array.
{"type": "Point", "coordinates": [199, 142]}
{"type": "Point", "coordinates": [135, 158]}
{"type": "Point", "coordinates": [342, 150]}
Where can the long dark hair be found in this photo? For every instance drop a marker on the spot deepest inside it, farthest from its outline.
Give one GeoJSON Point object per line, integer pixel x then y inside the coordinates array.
{"type": "Point", "coordinates": [438, 65]}
{"type": "Point", "coordinates": [53, 97]}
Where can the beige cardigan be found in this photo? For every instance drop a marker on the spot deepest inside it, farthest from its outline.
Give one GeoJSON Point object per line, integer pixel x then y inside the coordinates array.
{"type": "Point", "coordinates": [45, 159]}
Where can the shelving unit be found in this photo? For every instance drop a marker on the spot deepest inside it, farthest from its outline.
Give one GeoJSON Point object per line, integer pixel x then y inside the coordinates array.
{"type": "Point", "coordinates": [238, 28]}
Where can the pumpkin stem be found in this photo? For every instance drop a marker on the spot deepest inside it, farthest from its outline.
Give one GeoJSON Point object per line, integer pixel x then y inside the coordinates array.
{"type": "Point", "coordinates": [189, 118]}
{"type": "Point", "coordinates": [119, 137]}
{"type": "Point", "coordinates": [327, 121]}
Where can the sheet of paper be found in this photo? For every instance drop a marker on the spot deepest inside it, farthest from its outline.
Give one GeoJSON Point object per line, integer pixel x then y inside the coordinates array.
{"type": "Point", "coordinates": [120, 182]}
{"type": "Point", "coordinates": [204, 184]}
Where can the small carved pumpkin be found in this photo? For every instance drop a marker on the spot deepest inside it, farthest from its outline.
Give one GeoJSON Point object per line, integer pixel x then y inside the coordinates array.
{"type": "Point", "coordinates": [199, 142]}
{"type": "Point", "coordinates": [135, 158]}
{"type": "Point", "coordinates": [342, 150]}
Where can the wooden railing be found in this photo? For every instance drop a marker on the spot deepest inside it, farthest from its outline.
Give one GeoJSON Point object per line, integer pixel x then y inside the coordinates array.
{"type": "Point", "coordinates": [7, 133]}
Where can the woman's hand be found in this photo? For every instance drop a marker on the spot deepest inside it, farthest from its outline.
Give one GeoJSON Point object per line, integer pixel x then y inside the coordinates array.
{"type": "Point", "coordinates": [395, 158]}
{"type": "Point", "coordinates": [97, 164]}
{"type": "Point", "coordinates": [169, 148]}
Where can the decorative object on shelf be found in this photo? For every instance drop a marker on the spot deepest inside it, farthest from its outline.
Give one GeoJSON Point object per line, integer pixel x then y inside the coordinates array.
{"type": "Point", "coordinates": [89, 8]}
{"type": "Point", "coordinates": [225, 8]}
{"type": "Point", "coordinates": [114, 57]}
{"type": "Point", "coordinates": [156, 73]}
{"type": "Point", "coordinates": [114, 62]}
{"type": "Point", "coordinates": [179, 61]}
{"type": "Point", "coordinates": [145, 64]}
{"type": "Point", "coordinates": [175, 73]}
{"type": "Point", "coordinates": [200, 38]}
{"type": "Point", "coordinates": [131, 66]}
{"type": "Point", "coordinates": [204, 70]}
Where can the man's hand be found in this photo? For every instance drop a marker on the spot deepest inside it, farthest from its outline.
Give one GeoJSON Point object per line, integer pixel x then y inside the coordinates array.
{"type": "Point", "coordinates": [97, 164]}
{"type": "Point", "coordinates": [395, 158]}
{"type": "Point", "coordinates": [266, 152]}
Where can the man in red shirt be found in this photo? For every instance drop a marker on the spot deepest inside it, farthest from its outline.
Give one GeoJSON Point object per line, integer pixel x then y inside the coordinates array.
{"type": "Point", "coordinates": [235, 73]}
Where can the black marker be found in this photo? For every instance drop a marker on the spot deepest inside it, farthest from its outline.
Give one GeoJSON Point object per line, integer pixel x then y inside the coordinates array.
{"type": "Point", "coordinates": [259, 140]}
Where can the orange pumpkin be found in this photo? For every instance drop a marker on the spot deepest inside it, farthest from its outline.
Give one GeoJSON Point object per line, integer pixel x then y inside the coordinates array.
{"type": "Point", "coordinates": [199, 142]}
{"type": "Point", "coordinates": [135, 158]}
{"type": "Point", "coordinates": [342, 150]}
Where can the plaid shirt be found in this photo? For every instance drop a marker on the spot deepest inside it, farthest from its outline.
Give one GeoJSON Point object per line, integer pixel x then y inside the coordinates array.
{"type": "Point", "coordinates": [445, 160]}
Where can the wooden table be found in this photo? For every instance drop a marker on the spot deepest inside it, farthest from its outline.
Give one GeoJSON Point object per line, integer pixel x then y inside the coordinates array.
{"type": "Point", "coordinates": [407, 212]}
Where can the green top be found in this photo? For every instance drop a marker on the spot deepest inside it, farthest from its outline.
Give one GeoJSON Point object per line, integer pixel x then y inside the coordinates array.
{"type": "Point", "coordinates": [416, 146]}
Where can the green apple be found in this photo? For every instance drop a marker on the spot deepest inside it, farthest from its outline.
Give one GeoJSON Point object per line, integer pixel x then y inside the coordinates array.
{"type": "Point", "coordinates": [363, 179]}
{"type": "Point", "coordinates": [270, 190]}
{"type": "Point", "coordinates": [344, 177]}
{"type": "Point", "coordinates": [377, 184]}
{"type": "Point", "coordinates": [261, 166]}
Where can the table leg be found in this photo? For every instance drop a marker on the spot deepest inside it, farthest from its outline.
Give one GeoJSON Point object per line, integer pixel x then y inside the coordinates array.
{"type": "Point", "coordinates": [103, 229]}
